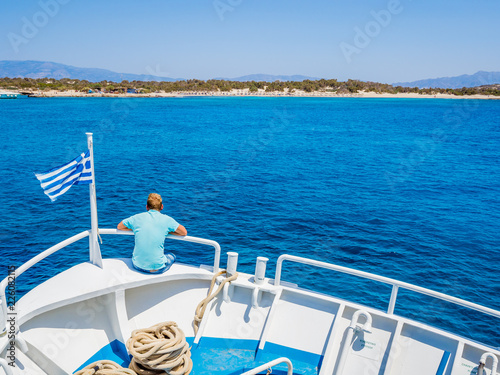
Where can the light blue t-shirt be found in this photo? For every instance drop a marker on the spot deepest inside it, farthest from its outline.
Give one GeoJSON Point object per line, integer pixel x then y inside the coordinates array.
{"type": "Point", "coordinates": [150, 229]}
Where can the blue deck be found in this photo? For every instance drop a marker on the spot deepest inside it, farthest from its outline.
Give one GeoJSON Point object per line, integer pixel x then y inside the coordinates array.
{"type": "Point", "coordinates": [225, 357]}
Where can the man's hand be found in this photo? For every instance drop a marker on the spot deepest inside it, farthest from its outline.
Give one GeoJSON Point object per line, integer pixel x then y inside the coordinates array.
{"type": "Point", "coordinates": [180, 231]}
{"type": "Point", "coordinates": [122, 226]}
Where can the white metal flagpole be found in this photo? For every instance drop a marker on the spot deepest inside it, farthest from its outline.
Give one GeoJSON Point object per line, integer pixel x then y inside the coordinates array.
{"type": "Point", "coordinates": [95, 250]}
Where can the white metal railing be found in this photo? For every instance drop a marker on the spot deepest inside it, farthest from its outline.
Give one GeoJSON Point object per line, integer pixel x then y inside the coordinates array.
{"type": "Point", "coordinates": [395, 284]}
{"type": "Point", "coordinates": [201, 241]}
{"type": "Point", "coordinates": [268, 365]}
{"type": "Point", "coordinates": [51, 250]}
{"type": "Point", "coordinates": [30, 263]}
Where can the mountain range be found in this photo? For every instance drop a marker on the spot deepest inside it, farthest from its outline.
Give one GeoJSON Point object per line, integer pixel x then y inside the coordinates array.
{"type": "Point", "coordinates": [47, 69]}
{"type": "Point", "coordinates": [269, 78]}
{"type": "Point", "coordinates": [480, 78]}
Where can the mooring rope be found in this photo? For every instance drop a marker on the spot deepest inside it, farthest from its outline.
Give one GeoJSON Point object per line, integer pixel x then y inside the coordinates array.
{"type": "Point", "coordinates": [200, 309]}
{"type": "Point", "coordinates": [105, 367]}
{"type": "Point", "coordinates": [159, 349]}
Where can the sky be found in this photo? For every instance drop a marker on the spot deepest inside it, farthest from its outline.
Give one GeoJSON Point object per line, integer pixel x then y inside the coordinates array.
{"type": "Point", "coordinates": [378, 40]}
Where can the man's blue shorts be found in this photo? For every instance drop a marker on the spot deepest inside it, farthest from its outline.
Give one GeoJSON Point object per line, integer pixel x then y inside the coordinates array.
{"type": "Point", "coordinates": [170, 260]}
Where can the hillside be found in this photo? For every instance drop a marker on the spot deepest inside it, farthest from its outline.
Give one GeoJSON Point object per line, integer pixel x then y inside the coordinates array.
{"type": "Point", "coordinates": [47, 69]}
{"type": "Point", "coordinates": [32, 86]}
{"type": "Point", "coordinates": [480, 78]}
{"type": "Point", "coordinates": [269, 78]}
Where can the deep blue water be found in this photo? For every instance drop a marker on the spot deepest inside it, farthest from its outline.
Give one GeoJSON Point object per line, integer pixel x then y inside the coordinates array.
{"type": "Point", "coordinates": [408, 189]}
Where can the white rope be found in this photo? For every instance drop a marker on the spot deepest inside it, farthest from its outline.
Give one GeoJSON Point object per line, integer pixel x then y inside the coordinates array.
{"type": "Point", "coordinates": [104, 367]}
{"type": "Point", "coordinates": [200, 309]}
{"type": "Point", "coordinates": [159, 349]}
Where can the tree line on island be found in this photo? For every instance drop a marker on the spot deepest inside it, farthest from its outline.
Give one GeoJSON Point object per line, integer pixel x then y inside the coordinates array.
{"type": "Point", "coordinates": [213, 85]}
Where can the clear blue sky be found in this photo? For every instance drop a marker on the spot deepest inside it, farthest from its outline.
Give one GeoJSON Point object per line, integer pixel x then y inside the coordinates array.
{"type": "Point", "coordinates": [229, 38]}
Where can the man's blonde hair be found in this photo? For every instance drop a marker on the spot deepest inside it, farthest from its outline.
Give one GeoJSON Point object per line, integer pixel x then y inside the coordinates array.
{"type": "Point", "coordinates": [154, 201]}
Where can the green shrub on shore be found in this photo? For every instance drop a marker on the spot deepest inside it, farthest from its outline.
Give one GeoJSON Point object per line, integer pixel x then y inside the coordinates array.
{"type": "Point", "coordinates": [214, 85]}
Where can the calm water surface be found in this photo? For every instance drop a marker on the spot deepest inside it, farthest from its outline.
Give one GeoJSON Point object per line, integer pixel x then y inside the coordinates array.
{"type": "Point", "coordinates": [404, 188]}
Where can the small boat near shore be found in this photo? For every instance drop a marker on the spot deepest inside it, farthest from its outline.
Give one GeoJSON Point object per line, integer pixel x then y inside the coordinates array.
{"type": "Point", "coordinates": [9, 95]}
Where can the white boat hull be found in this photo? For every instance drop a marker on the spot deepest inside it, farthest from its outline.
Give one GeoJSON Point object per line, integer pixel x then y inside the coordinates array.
{"type": "Point", "coordinates": [87, 313]}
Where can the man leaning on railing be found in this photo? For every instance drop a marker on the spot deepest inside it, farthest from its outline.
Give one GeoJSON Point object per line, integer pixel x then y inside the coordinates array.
{"type": "Point", "coordinates": [150, 229]}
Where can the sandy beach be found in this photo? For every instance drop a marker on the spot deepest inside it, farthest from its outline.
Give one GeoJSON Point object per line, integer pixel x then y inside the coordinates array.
{"type": "Point", "coordinates": [260, 93]}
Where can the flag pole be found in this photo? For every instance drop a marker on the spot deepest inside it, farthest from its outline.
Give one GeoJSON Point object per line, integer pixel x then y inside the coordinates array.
{"type": "Point", "coordinates": [94, 248]}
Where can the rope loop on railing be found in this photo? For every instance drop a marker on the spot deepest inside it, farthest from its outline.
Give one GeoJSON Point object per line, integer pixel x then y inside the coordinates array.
{"type": "Point", "coordinates": [200, 309]}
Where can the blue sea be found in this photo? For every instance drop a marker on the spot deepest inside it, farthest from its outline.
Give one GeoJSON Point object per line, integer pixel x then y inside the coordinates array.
{"type": "Point", "coordinates": [404, 188]}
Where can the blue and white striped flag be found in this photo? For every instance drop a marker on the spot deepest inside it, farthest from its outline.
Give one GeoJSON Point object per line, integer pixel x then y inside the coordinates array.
{"type": "Point", "coordinates": [57, 181]}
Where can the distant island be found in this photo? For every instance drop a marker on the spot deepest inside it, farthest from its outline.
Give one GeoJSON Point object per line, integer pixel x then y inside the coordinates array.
{"type": "Point", "coordinates": [45, 69]}
{"type": "Point", "coordinates": [480, 78]}
{"type": "Point", "coordinates": [48, 79]}
{"type": "Point", "coordinates": [47, 87]}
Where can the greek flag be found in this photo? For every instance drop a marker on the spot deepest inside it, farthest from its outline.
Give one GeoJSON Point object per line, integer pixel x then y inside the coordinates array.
{"type": "Point", "coordinates": [57, 181]}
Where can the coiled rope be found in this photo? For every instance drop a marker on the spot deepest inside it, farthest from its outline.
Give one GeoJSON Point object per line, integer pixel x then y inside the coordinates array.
{"type": "Point", "coordinates": [200, 309]}
{"type": "Point", "coordinates": [105, 367]}
{"type": "Point", "coordinates": [159, 349]}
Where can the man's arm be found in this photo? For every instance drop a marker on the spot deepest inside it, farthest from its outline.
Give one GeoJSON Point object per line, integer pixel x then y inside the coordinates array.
{"type": "Point", "coordinates": [122, 226]}
{"type": "Point", "coordinates": [180, 231]}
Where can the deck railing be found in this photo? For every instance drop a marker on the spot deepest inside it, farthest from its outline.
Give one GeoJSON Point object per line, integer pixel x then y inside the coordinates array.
{"type": "Point", "coordinates": [4, 302]}
{"type": "Point", "coordinates": [4, 284]}
{"type": "Point", "coordinates": [268, 365]}
{"type": "Point", "coordinates": [395, 284]}
{"type": "Point", "coordinates": [198, 240]}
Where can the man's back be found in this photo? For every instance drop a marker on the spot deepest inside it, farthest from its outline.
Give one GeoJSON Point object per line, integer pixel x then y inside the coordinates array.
{"type": "Point", "coordinates": [150, 229]}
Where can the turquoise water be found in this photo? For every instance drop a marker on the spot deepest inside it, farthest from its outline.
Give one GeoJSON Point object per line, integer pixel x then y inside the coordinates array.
{"type": "Point", "coordinates": [404, 188]}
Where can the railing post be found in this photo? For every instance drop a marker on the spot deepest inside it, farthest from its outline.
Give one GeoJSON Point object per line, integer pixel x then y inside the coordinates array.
{"type": "Point", "coordinates": [217, 257]}
{"type": "Point", "coordinates": [277, 276]}
{"type": "Point", "coordinates": [392, 302]}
